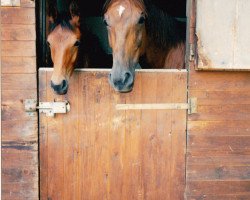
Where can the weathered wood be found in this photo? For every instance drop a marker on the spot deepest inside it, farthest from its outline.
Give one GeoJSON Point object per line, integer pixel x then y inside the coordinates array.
{"type": "Point", "coordinates": [218, 187]}
{"type": "Point", "coordinates": [210, 97]}
{"type": "Point", "coordinates": [218, 172]}
{"type": "Point", "coordinates": [226, 160]}
{"type": "Point", "coordinates": [221, 112]}
{"type": "Point", "coordinates": [43, 140]}
{"type": "Point", "coordinates": [219, 81]}
{"type": "Point", "coordinates": [13, 130]}
{"type": "Point", "coordinates": [27, 3]}
{"type": "Point", "coordinates": [18, 65]}
{"type": "Point", "coordinates": [19, 131]}
{"type": "Point", "coordinates": [220, 197]}
{"type": "Point", "coordinates": [18, 15]}
{"type": "Point", "coordinates": [19, 48]}
{"type": "Point", "coordinates": [18, 32]}
{"type": "Point", "coordinates": [219, 128]}
{"type": "Point", "coordinates": [121, 154]}
{"type": "Point", "coordinates": [19, 82]}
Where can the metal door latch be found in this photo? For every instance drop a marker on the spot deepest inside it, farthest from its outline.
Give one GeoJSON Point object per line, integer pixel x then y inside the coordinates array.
{"type": "Point", "coordinates": [49, 108]}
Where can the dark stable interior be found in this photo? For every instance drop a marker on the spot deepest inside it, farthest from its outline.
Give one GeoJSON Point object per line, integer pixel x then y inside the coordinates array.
{"type": "Point", "coordinates": [93, 13]}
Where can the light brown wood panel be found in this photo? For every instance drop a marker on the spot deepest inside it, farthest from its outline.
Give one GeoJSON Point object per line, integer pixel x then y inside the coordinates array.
{"type": "Point", "coordinates": [218, 187]}
{"type": "Point", "coordinates": [19, 82]}
{"type": "Point", "coordinates": [218, 172]}
{"type": "Point", "coordinates": [27, 3]}
{"type": "Point", "coordinates": [219, 81]}
{"type": "Point", "coordinates": [15, 131]}
{"type": "Point", "coordinates": [19, 48]}
{"type": "Point", "coordinates": [18, 65]}
{"type": "Point", "coordinates": [21, 190]}
{"type": "Point", "coordinates": [220, 197]}
{"type": "Point", "coordinates": [98, 152]}
{"type": "Point", "coordinates": [221, 112]}
{"type": "Point", "coordinates": [219, 128]}
{"type": "Point", "coordinates": [17, 15]}
{"type": "Point", "coordinates": [18, 32]}
{"type": "Point", "coordinates": [207, 97]}
{"type": "Point", "coordinates": [227, 160]}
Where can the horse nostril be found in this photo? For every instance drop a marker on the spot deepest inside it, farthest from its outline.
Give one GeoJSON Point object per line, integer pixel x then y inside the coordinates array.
{"type": "Point", "coordinates": [64, 84]}
{"type": "Point", "coordinates": [127, 77]}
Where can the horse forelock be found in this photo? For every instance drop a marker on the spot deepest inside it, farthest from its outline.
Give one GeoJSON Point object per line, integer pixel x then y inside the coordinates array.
{"type": "Point", "coordinates": [63, 20]}
{"type": "Point", "coordinates": [138, 4]}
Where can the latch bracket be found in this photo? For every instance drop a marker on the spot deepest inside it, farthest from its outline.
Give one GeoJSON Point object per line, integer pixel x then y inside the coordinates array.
{"type": "Point", "coordinates": [49, 108]}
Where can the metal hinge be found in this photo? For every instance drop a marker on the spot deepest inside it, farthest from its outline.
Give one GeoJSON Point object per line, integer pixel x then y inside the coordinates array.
{"type": "Point", "coordinates": [49, 108]}
{"type": "Point", "coordinates": [191, 52]}
{"type": "Point", "coordinates": [192, 105]}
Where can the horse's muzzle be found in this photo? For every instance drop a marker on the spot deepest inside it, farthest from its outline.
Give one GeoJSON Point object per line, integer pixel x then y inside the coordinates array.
{"type": "Point", "coordinates": [123, 83]}
{"type": "Point", "coordinates": [60, 89]}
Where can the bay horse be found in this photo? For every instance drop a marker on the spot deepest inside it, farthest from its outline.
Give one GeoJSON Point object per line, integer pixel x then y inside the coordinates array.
{"type": "Point", "coordinates": [72, 45]}
{"type": "Point", "coordinates": [139, 32]}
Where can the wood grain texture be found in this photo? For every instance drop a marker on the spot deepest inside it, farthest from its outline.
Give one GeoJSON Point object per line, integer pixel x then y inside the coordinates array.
{"type": "Point", "coordinates": [98, 152]}
{"type": "Point", "coordinates": [17, 15]}
{"type": "Point", "coordinates": [18, 65]}
{"type": "Point", "coordinates": [18, 32]}
{"type": "Point", "coordinates": [19, 130]}
{"type": "Point", "coordinates": [19, 48]}
{"type": "Point", "coordinates": [218, 152]}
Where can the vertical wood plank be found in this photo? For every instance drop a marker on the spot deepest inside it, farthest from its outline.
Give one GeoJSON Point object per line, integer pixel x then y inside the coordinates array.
{"type": "Point", "coordinates": [70, 141]}
{"type": "Point", "coordinates": [55, 150]}
{"type": "Point", "coordinates": [43, 138]}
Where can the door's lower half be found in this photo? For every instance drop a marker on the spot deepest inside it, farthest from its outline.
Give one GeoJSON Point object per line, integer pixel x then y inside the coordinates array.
{"type": "Point", "coordinates": [98, 152]}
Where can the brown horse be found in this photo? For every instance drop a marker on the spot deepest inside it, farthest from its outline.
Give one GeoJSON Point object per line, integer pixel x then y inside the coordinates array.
{"type": "Point", "coordinates": [139, 32]}
{"type": "Point", "coordinates": [72, 45]}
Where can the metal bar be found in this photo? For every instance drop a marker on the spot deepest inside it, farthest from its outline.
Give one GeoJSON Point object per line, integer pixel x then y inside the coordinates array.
{"type": "Point", "coordinates": [165, 106]}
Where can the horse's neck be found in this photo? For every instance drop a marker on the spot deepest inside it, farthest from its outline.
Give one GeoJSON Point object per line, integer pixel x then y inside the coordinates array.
{"type": "Point", "coordinates": [165, 44]}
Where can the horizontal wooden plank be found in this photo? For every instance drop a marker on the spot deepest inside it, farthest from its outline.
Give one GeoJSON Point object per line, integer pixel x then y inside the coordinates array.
{"type": "Point", "coordinates": [217, 187]}
{"type": "Point", "coordinates": [18, 32]}
{"type": "Point", "coordinates": [206, 97]}
{"type": "Point", "coordinates": [217, 172]}
{"type": "Point", "coordinates": [20, 191]}
{"type": "Point", "coordinates": [219, 142]}
{"type": "Point", "coordinates": [219, 81]}
{"type": "Point", "coordinates": [20, 157]}
{"type": "Point", "coordinates": [220, 197]}
{"type": "Point", "coordinates": [24, 174]}
{"type": "Point", "coordinates": [19, 130]}
{"type": "Point", "coordinates": [18, 65]}
{"type": "Point", "coordinates": [229, 160]}
{"type": "Point", "coordinates": [12, 104]}
{"type": "Point", "coordinates": [221, 112]}
{"type": "Point", "coordinates": [19, 82]}
{"type": "Point", "coordinates": [19, 48]}
{"type": "Point", "coordinates": [221, 145]}
{"type": "Point", "coordinates": [17, 15]}
{"type": "Point", "coordinates": [219, 128]}
{"type": "Point", "coordinates": [27, 3]}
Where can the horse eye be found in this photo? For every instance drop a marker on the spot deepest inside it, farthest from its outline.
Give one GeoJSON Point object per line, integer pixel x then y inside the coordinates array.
{"type": "Point", "coordinates": [141, 20]}
{"type": "Point", "coordinates": [105, 22]}
{"type": "Point", "coordinates": [77, 43]}
{"type": "Point", "coordinates": [48, 43]}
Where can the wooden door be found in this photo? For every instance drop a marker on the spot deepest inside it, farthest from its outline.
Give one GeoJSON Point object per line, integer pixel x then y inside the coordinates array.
{"type": "Point", "coordinates": [96, 152]}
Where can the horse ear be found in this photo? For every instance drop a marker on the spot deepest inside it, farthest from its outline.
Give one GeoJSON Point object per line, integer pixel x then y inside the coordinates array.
{"type": "Point", "coordinates": [52, 12]}
{"type": "Point", "coordinates": [75, 12]}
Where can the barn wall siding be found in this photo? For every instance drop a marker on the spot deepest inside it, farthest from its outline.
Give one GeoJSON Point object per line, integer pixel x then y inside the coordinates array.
{"type": "Point", "coordinates": [19, 131]}
{"type": "Point", "coordinates": [218, 136]}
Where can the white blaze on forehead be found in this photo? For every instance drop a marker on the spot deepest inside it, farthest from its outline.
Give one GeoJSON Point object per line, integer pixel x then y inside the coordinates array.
{"type": "Point", "coordinates": [120, 10]}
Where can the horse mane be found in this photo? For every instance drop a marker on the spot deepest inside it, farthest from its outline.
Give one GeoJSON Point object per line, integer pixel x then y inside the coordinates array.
{"type": "Point", "coordinates": [163, 30]}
